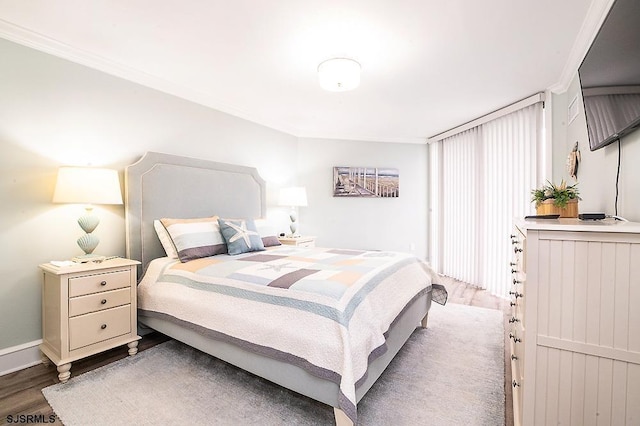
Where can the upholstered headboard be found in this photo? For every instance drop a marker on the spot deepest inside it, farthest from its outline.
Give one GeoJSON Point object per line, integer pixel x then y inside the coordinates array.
{"type": "Point", "coordinates": [163, 185]}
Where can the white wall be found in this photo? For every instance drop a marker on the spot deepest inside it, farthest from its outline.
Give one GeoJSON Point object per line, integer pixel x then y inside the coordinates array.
{"type": "Point", "coordinates": [54, 112]}
{"type": "Point", "coordinates": [366, 223]}
{"type": "Point", "coordinates": [597, 171]}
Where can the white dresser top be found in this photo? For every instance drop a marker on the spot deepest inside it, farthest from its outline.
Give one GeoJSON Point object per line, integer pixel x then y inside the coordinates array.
{"type": "Point", "coordinates": [577, 225]}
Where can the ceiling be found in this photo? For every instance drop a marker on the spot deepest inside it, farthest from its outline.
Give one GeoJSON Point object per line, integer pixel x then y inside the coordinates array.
{"type": "Point", "coordinates": [427, 65]}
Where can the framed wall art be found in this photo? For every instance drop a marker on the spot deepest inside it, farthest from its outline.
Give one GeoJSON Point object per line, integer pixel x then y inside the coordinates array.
{"type": "Point", "coordinates": [368, 182]}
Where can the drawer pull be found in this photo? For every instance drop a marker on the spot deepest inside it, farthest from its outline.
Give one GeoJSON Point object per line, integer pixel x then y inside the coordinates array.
{"type": "Point", "coordinates": [516, 294]}
{"type": "Point", "coordinates": [512, 303]}
{"type": "Point", "coordinates": [517, 250]}
{"type": "Point", "coordinates": [513, 357]}
{"type": "Point", "coordinates": [514, 319]}
{"type": "Point", "coordinates": [103, 283]}
{"type": "Point", "coordinates": [516, 281]}
{"type": "Point", "coordinates": [513, 271]}
{"type": "Point", "coordinates": [512, 236]}
{"type": "Point", "coordinates": [515, 339]}
{"type": "Point", "coordinates": [103, 301]}
{"type": "Point", "coordinates": [515, 384]}
{"type": "Point", "coordinates": [513, 264]}
{"type": "Point", "coordinates": [103, 326]}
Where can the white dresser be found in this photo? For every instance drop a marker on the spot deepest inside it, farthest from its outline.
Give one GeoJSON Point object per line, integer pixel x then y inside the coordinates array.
{"type": "Point", "coordinates": [576, 323]}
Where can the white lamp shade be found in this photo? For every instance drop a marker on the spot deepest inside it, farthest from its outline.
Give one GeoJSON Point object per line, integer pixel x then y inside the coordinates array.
{"type": "Point", "coordinates": [87, 185]}
{"type": "Point", "coordinates": [339, 74]}
{"type": "Point", "coordinates": [295, 196]}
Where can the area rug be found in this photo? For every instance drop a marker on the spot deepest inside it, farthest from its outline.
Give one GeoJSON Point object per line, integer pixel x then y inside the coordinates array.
{"type": "Point", "coordinates": [451, 373]}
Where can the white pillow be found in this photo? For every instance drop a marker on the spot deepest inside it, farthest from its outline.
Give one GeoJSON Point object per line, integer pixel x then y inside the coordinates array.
{"type": "Point", "coordinates": [165, 239]}
{"type": "Point", "coordinates": [267, 232]}
{"type": "Point", "coordinates": [265, 228]}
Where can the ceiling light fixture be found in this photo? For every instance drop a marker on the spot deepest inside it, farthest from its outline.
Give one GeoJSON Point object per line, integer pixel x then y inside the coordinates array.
{"type": "Point", "coordinates": [339, 74]}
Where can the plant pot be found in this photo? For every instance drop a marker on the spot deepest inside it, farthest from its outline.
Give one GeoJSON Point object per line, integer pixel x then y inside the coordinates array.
{"type": "Point", "coordinates": [547, 207]}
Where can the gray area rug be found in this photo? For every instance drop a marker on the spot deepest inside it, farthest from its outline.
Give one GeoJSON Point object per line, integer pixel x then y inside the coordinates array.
{"type": "Point", "coordinates": [449, 374]}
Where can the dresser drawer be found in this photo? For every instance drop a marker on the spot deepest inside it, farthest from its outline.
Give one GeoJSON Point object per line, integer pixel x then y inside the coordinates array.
{"type": "Point", "coordinates": [99, 301]}
{"type": "Point", "coordinates": [516, 364]}
{"type": "Point", "coordinates": [95, 327]}
{"type": "Point", "coordinates": [517, 383]}
{"type": "Point", "coordinates": [517, 302]}
{"type": "Point", "coordinates": [99, 282]}
{"type": "Point", "coordinates": [307, 244]}
{"type": "Point", "coordinates": [517, 345]}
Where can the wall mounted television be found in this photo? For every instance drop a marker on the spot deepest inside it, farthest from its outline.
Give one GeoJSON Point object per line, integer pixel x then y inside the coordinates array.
{"type": "Point", "coordinates": [610, 76]}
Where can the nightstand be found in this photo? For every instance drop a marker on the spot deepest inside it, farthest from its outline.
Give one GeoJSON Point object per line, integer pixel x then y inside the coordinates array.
{"type": "Point", "coordinates": [301, 241]}
{"type": "Point", "coordinates": [87, 308]}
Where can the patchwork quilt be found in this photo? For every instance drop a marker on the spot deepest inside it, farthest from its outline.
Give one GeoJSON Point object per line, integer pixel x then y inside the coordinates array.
{"type": "Point", "coordinates": [324, 310]}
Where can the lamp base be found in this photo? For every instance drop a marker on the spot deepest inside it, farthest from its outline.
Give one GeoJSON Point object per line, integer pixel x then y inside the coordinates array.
{"type": "Point", "coordinates": [88, 243]}
{"type": "Point", "coordinates": [293, 226]}
{"type": "Point", "coordinates": [88, 258]}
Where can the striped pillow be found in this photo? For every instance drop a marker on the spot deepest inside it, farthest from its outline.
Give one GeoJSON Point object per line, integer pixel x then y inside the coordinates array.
{"type": "Point", "coordinates": [195, 238]}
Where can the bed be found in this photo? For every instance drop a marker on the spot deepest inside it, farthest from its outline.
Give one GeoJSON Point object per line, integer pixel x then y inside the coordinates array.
{"type": "Point", "coordinates": [328, 342]}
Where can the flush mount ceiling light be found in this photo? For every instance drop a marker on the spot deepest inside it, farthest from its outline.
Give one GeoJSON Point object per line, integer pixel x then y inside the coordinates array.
{"type": "Point", "coordinates": [339, 74]}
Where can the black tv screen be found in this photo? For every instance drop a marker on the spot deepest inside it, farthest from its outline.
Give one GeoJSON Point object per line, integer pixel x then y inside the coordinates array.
{"type": "Point", "coordinates": [610, 76]}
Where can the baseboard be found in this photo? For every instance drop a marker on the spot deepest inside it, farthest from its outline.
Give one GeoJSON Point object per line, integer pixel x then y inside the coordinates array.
{"type": "Point", "coordinates": [20, 357]}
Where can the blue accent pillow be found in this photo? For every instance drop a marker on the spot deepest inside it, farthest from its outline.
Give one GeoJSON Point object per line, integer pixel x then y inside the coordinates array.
{"type": "Point", "coordinates": [241, 235]}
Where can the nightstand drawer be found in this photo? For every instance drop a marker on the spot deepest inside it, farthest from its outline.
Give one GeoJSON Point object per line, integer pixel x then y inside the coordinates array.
{"type": "Point", "coordinates": [98, 326]}
{"type": "Point", "coordinates": [307, 244]}
{"type": "Point", "coordinates": [99, 301]}
{"type": "Point", "coordinates": [99, 282]}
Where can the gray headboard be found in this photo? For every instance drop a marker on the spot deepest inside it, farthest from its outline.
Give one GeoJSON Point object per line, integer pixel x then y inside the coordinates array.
{"type": "Point", "coordinates": [163, 185]}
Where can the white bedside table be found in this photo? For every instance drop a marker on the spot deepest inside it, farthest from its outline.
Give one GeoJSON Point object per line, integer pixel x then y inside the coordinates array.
{"type": "Point", "coordinates": [301, 241]}
{"type": "Point", "coordinates": [87, 308]}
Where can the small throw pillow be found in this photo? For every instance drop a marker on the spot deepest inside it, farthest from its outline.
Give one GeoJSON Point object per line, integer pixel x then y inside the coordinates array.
{"type": "Point", "coordinates": [165, 239]}
{"type": "Point", "coordinates": [271, 241]}
{"type": "Point", "coordinates": [195, 238]}
{"type": "Point", "coordinates": [241, 235]}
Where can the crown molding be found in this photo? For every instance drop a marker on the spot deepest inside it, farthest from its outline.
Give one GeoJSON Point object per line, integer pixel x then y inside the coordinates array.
{"type": "Point", "coordinates": [596, 15]}
{"type": "Point", "coordinates": [359, 138]}
{"type": "Point", "coordinates": [40, 42]}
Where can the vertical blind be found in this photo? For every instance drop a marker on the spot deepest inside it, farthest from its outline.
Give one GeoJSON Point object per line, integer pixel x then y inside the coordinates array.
{"type": "Point", "coordinates": [481, 179]}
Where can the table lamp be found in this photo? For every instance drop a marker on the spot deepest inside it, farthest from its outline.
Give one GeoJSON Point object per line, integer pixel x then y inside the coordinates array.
{"type": "Point", "coordinates": [293, 197]}
{"type": "Point", "coordinates": [89, 186]}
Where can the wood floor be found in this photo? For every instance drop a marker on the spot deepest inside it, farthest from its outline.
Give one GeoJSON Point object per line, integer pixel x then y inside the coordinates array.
{"type": "Point", "coordinates": [21, 392]}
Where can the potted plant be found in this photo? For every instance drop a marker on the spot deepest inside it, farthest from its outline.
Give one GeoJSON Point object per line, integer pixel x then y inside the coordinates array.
{"type": "Point", "coordinates": [556, 199]}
